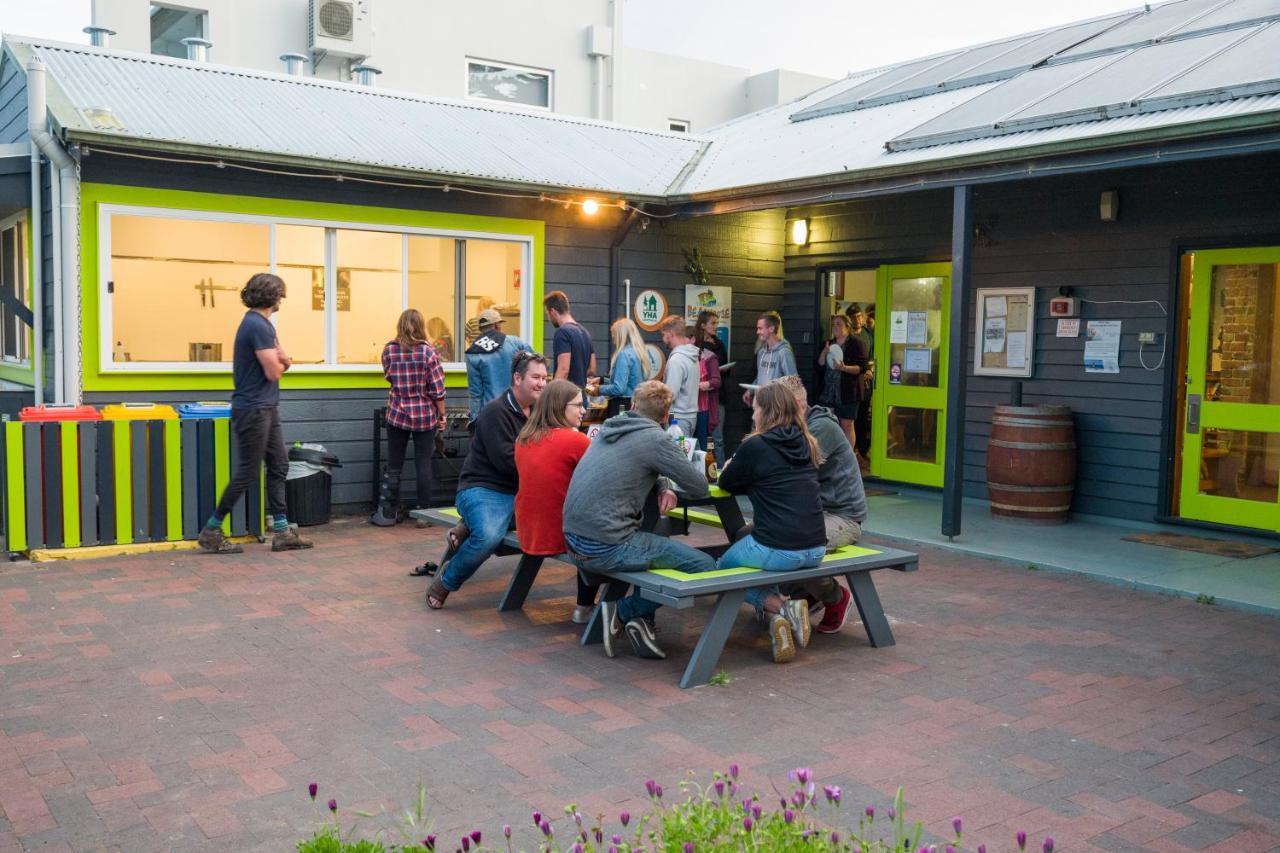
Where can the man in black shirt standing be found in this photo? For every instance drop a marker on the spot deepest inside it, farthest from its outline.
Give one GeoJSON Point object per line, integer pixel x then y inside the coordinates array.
{"type": "Point", "coordinates": [573, 356]}
{"type": "Point", "coordinates": [258, 363]}
{"type": "Point", "coordinates": [488, 483]}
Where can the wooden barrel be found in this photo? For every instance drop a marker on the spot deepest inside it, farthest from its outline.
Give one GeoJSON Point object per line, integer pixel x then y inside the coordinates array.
{"type": "Point", "coordinates": [1031, 463]}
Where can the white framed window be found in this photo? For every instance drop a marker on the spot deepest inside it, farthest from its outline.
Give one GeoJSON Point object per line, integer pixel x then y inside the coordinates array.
{"type": "Point", "coordinates": [171, 24]}
{"type": "Point", "coordinates": [15, 306]}
{"type": "Point", "coordinates": [346, 284]}
{"type": "Point", "coordinates": [510, 84]}
{"type": "Point", "coordinates": [678, 125]}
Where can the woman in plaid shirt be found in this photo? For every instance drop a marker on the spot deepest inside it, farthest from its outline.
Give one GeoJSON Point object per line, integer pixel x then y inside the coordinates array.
{"type": "Point", "coordinates": [415, 409]}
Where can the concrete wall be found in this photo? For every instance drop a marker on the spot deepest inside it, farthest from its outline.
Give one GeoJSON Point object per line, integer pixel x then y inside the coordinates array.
{"type": "Point", "coordinates": [654, 87]}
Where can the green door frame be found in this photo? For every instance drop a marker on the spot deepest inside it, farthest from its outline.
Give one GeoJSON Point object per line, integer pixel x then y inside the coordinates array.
{"type": "Point", "coordinates": [887, 396]}
{"type": "Point", "coordinates": [1232, 416]}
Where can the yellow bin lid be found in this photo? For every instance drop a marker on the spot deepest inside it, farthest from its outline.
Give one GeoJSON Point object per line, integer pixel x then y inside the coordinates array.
{"type": "Point", "coordinates": [139, 412]}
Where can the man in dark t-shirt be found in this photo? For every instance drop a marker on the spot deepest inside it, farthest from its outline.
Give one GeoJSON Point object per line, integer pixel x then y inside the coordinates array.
{"type": "Point", "coordinates": [572, 355]}
{"type": "Point", "coordinates": [258, 361]}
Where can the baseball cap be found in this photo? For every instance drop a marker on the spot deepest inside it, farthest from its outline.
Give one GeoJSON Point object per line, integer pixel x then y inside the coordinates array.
{"type": "Point", "coordinates": [489, 317]}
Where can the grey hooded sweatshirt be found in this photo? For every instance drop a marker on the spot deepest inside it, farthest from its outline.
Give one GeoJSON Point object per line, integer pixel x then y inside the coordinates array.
{"type": "Point", "coordinates": [682, 377]}
{"type": "Point", "coordinates": [631, 455]}
{"type": "Point", "coordinates": [839, 478]}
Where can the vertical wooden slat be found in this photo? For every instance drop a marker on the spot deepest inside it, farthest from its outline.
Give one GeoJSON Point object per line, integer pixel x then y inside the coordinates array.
{"type": "Point", "coordinates": [191, 520]}
{"type": "Point", "coordinates": [34, 485]}
{"type": "Point", "coordinates": [961, 284]}
{"type": "Point", "coordinates": [206, 465]}
{"type": "Point", "coordinates": [87, 436]}
{"type": "Point", "coordinates": [157, 496]}
{"type": "Point", "coordinates": [221, 463]}
{"type": "Point", "coordinates": [70, 448]}
{"type": "Point", "coordinates": [172, 480]}
{"type": "Point", "coordinates": [51, 458]}
{"type": "Point", "coordinates": [15, 516]}
{"type": "Point", "coordinates": [239, 511]}
{"type": "Point", "coordinates": [108, 533]}
{"type": "Point", "coordinates": [121, 466]}
{"type": "Point", "coordinates": [137, 475]}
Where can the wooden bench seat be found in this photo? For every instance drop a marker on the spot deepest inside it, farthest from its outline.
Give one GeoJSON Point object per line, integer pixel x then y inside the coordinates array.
{"type": "Point", "coordinates": [680, 589]}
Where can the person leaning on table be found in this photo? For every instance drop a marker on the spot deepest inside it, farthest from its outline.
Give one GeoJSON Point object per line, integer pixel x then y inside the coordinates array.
{"type": "Point", "coordinates": [604, 508]}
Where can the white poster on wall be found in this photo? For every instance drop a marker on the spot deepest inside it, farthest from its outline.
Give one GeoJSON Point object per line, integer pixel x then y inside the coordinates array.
{"type": "Point", "coordinates": [993, 335]}
{"type": "Point", "coordinates": [917, 327]}
{"type": "Point", "coordinates": [918, 361]}
{"type": "Point", "coordinates": [897, 327]}
{"type": "Point", "coordinates": [1102, 346]}
{"type": "Point", "coordinates": [705, 297]}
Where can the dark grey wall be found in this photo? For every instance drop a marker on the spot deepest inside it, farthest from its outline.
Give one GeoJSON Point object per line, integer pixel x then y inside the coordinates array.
{"type": "Point", "coordinates": [1047, 233]}
{"type": "Point", "coordinates": [13, 101]}
{"type": "Point", "coordinates": [742, 251]}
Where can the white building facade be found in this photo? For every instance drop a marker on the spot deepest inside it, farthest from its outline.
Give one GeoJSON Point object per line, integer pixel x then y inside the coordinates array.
{"type": "Point", "coordinates": [564, 57]}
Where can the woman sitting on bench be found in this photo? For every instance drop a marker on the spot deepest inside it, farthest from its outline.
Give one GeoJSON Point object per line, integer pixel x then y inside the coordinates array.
{"type": "Point", "coordinates": [547, 450]}
{"type": "Point", "coordinates": [776, 466]}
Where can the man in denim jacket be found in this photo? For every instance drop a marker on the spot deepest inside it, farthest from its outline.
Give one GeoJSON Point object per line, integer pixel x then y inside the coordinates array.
{"type": "Point", "coordinates": [489, 361]}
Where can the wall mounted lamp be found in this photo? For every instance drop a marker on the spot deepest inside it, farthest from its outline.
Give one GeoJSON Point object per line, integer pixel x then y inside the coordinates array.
{"type": "Point", "coordinates": [799, 232]}
{"type": "Point", "coordinates": [1109, 205]}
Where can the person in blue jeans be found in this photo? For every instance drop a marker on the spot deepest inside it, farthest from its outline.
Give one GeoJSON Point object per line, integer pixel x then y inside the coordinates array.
{"type": "Point", "coordinates": [489, 480]}
{"type": "Point", "coordinates": [627, 365]}
{"type": "Point", "coordinates": [604, 509]}
{"type": "Point", "coordinates": [776, 466]}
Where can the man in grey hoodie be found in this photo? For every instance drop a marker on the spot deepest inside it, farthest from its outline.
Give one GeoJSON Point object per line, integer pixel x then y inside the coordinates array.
{"type": "Point", "coordinates": [683, 372]}
{"type": "Point", "coordinates": [844, 500]}
{"type": "Point", "coordinates": [604, 508]}
{"type": "Point", "coordinates": [774, 356]}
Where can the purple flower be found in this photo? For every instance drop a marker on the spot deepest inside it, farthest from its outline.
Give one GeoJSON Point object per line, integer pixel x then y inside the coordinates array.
{"type": "Point", "coordinates": [733, 771]}
{"type": "Point", "coordinates": [599, 834]}
{"type": "Point", "coordinates": [577, 818]}
{"type": "Point", "coordinates": [1022, 840]}
{"type": "Point", "coordinates": [1048, 845]}
{"type": "Point", "coordinates": [957, 824]}
{"type": "Point", "coordinates": [466, 844]}
{"type": "Point", "coordinates": [613, 849]}
{"type": "Point", "coordinates": [475, 836]}
{"type": "Point", "coordinates": [651, 786]}
{"type": "Point", "coordinates": [578, 848]}
{"type": "Point", "coordinates": [833, 796]}
{"type": "Point", "coordinates": [333, 805]}
{"type": "Point", "coordinates": [545, 826]}
{"type": "Point", "coordinates": [429, 842]}
{"type": "Point", "coordinates": [311, 789]}
{"type": "Point", "coordinates": [625, 817]}
{"type": "Point", "coordinates": [688, 847]}
{"type": "Point", "coordinates": [506, 830]}
{"type": "Point", "coordinates": [835, 838]}
{"type": "Point", "coordinates": [798, 798]}
{"type": "Point", "coordinates": [951, 849]}
{"type": "Point", "coordinates": [871, 812]}
{"type": "Point", "coordinates": [982, 848]}
{"type": "Point", "coordinates": [617, 839]}
{"type": "Point", "coordinates": [788, 816]}
{"type": "Point", "coordinates": [537, 818]}
{"type": "Point", "coordinates": [747, 823]}
{"type": "Point", "coordinates": [756, 811]}
{"type": "Point", "coordinates": [719, 786]}
{"type": "Point", "coordinates": [893, 813]}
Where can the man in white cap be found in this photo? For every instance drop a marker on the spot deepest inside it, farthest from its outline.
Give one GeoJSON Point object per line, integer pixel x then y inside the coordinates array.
{"type": "Point", "coordinates": [489, 360]}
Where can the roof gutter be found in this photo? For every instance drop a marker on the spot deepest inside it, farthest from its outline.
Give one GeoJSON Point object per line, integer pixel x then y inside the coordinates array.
{"type": "Point", "coordinates": [66, 237]}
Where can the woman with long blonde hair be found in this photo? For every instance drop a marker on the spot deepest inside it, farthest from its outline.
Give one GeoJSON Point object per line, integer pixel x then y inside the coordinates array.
{"type": "Point", "coordinates": [776, 466]}
{"type": "Point", "coordinates": [626, 365]}
{"type": "Point", "coordinates": [415, 410]}
{"type": "Point", "coordinates": [548, 449]}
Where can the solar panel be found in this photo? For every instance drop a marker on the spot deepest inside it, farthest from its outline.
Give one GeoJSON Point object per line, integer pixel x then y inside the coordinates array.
{"type": "Point", "coordinates": [1234, 13]}
{"type": "Point", "coordinates": [1158, 22]}
{"type": "Point", "coordinates": [849, 98]}
{"type": "Point", "coordinates": [1250, 66]}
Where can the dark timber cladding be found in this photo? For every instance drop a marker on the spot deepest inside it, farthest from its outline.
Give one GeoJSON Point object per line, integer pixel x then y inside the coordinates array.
{"type": "Point", "coordinates": [743, 251]}
{"type": "Point", "coordinates": [1047, 233]}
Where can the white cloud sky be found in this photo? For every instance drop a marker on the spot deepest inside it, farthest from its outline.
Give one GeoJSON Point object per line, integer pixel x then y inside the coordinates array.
{"type": "Point", "coordinates": [827, 37]}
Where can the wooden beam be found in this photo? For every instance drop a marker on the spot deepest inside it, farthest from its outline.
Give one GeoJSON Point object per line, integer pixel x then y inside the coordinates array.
{"type": "Point", "coordinates": [961, 286]}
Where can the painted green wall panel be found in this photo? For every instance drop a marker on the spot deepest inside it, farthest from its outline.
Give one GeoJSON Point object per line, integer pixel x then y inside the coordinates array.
{"type": "Point", "coordinates": [123, 464]}
{"type": "Point", "coordinates": [70, 484]}
{"type": "Point", "coordinates": [173, 479]}
{"type": "Point", "coordinates": [15, 496]}
{"type": "Point", "coordinates": [222, 463]}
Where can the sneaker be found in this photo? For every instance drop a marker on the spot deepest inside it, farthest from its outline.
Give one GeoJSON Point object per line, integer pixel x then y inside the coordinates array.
{"type": "Point", "coordinates": [611, 629]}
{"type": "Point", "coordinates": [582, 614]}
{"type": "Point", "coordinates": [836, 615]}
{"type": "Point", "coordinates": [797, 612]}
{"type": "Point", "coordinates": [784, 644]}
{"type": "Point", "coordinates": [289, 540]}
{"type": "Point", "coordinates": [214, 541]}
{"type": "Point", "coordinates": [643, 639]}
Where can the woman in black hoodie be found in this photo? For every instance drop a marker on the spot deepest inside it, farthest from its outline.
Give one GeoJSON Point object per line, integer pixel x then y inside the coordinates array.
{"type": "Point", "coordinates": [776, 466]}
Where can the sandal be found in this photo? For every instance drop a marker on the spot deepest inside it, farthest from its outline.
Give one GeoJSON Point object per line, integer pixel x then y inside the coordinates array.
{"type": "Point", "coordinates": [457, 535]}
{"type": "Point", "coordinates": [436, 594]}
{"type": "Point", "coordinates": [426, 570]}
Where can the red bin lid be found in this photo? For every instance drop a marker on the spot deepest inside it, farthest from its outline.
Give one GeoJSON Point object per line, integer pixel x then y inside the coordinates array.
{"type": "Point", "coordinates": [49, 412]}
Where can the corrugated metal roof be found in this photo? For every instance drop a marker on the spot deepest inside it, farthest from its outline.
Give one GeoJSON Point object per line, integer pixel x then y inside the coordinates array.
{"type": "Point", "coordinates": [134, 96]}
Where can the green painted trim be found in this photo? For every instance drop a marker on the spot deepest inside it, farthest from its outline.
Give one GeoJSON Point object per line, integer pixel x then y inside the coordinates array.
{"type": "Point", "coordinates": [677, 575]}
{"type": "Point", "coordinates": [173, 480]}
{"type": "Point", "coordinates": [70, 447]}
{"type": "Point", "coordinates": [222, 463]}
{"type": "Point", "coordinates": [708, 518]}
{"type": "Point", "coordinates": [849, 551]}
{"type": "Point", "coordinates": [1234, 416]}
{"type": "Point", "coordinates": [25, 375]}
{"type": "Point", "coordinates": [123, 457]}
{"type": "Point", "coordinates": [887, 396]}
{"type": "Point", "coordinates": [92, 195]}
{"type": "Point", "coordinates": [15, 489]}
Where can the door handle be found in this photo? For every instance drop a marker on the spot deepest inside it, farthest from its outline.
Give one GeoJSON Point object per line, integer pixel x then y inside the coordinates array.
{"type": "Point", "coordinates": [1193, 414]}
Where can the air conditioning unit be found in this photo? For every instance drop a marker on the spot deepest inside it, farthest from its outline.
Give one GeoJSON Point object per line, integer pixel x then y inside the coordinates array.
{"type": "Point", "coordinates": [340, 27]}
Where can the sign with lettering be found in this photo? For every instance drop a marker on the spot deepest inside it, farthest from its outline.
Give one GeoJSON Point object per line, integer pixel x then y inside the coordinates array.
{"type": "Point", "coordinates": [650, 309]}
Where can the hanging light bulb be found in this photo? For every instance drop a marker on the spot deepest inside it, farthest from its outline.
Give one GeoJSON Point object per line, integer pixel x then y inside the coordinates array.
{"type": "Point", "coordinates": [590, 207]}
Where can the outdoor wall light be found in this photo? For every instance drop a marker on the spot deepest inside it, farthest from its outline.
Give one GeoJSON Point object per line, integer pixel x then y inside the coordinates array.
{"type": "Point", "coordinates": [800, 232]}
{"type": "Point", "coordinates": [1109, 205]}
{"type": "Point", "coordinates": [590, 207]}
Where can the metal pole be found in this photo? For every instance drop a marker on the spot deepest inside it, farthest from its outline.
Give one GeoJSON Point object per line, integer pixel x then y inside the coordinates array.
{"type": "Point", "coordinates": [961, 264]}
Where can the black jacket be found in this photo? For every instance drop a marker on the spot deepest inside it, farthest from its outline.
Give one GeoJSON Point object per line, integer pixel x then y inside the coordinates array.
{"type": "Point", "coordinates": [776, 472]}
{"type": "Point", "coordinates": [491, 460]}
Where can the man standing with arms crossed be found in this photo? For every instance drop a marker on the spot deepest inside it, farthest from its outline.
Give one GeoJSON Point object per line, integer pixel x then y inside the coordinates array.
{"type": "Point", "coordinates": [258, 362]}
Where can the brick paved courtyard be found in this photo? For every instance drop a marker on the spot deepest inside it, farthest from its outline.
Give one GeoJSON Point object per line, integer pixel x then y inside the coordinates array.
{"type": "Point", "coordinates": [180, 701]}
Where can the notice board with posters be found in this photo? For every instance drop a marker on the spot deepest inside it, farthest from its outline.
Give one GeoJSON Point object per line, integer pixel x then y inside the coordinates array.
{"type": "Point", "coordinates": [717, 299]}
{"type": "Point", "coordinates": [1005, 337]}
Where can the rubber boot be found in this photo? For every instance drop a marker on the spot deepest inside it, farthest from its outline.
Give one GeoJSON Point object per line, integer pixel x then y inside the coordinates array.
{"type": "Point", "coordinates": [388, 512]}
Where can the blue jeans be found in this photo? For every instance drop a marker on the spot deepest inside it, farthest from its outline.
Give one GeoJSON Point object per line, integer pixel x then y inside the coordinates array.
{"type": "Point", "coordinates": [646, 551]}
{"type": "Point", "coordinates": [488, 514]}
{"type": "Point", "coordinates": [749, 553]}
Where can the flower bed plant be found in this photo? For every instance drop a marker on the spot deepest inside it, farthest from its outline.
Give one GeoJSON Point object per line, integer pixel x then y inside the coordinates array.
{"type": "Point", "coordinates": [716, 818]}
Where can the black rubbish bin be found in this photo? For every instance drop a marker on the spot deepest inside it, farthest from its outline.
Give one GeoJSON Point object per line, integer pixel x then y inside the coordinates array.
{"type": "Point", "coordinates": [308, 490]}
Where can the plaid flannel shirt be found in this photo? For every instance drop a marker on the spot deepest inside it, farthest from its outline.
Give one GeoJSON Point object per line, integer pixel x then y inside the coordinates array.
{"type": "Point", "coordinates": [417, 381]}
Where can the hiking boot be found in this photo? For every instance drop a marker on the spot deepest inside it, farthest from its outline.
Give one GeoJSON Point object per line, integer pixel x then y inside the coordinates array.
{"type": "Point", "coordinates": [835, 615]}
{"type": "Point", "coordinates": [784, 644]}
{"type": "Point", "coordinates": [797, 612]}
{"type": "Point", "coordinates": [610, 627]}
{"type": "Point", "coordinates": [214, 541]}
{"type": "Point", "coordinates": [289, 540]}
{"type": "Point", "coordinates": [582, 614]}
{"type": "Point", "coordinates": [643, 639]}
